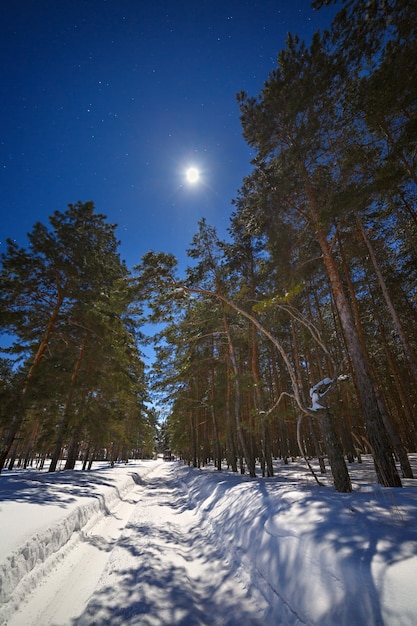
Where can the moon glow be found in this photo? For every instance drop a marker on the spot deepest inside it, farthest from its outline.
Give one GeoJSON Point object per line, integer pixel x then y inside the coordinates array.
{"type": "Point", "coordinates": [192, 175]}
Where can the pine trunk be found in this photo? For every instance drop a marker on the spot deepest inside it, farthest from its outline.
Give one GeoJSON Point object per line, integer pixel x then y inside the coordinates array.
{"type": "Point", "coordinates": [337, 463]}
{"type": "Point", "coordinates": [248, 457]}
{"type": "Point", "coordinates": [412, 363]}
{"type": "Point", "coordinates": [386, 470]}
{"type": "Point", "coordinates": [66, 411]}
{"type": "Point", "coordinates": [20, 412]}
{"type": "Point", "coordinates": [377, 436]}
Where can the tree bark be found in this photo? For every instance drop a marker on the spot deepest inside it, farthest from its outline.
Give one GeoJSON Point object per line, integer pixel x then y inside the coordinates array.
{"type": "Point", "coordinates": [259, 403]}
{"type": "Point", "coordinates": [337, 463]}
{"type": "Point", "coordinates": [238, 403]}
{"type": "Point", "coordinates": [386, 471]}
{"type": "Point", "coordinates": [380, 444]}
{"type": "Point", "coordinates": [297, 367]}
{"type": "Point", "coordinates": [395, 319]}
{"type": "Point", "coordinates": [19, 415]}
{"type": "Point", "coordinates": [66, 410]}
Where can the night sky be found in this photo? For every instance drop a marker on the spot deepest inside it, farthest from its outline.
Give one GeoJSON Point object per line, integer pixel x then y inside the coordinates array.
{"type": "Point", "coordinates": [111, 101]}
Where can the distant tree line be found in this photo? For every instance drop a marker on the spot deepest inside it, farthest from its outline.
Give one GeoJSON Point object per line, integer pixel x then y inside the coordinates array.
{"type": "Point", "coordinates": [73, 385]}
{"type": "Point", "coordinates": [299, 334]}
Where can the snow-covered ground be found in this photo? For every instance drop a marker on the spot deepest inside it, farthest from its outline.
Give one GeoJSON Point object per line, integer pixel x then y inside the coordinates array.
{"type": "Point", "coordinates": [157, 543]}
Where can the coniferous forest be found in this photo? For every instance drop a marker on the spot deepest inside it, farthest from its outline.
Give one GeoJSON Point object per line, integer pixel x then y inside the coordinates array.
{"type": "Point", "coordinates": [295, 336]}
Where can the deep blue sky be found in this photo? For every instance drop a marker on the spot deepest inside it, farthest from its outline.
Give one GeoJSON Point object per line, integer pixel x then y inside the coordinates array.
{"type": "Point", "coordinates": [110, 101]}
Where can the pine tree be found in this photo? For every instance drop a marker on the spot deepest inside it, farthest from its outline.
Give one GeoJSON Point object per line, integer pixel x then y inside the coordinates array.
{"type": "Point", "coordinates": [295, 127]}
{"type": "Point", "coordinates": [66, 299]}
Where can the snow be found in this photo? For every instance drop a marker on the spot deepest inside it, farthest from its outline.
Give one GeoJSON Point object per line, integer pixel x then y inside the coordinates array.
{"type": "Point", "coordinates": [319, 390]}
{"type": "Point", "coordinates": [155, 543]}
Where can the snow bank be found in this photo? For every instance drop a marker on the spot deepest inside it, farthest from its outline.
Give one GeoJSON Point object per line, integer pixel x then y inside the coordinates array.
{"type": "Point", "coordinates": [98, 491]}
{"type": "Point", "coordinates": [319, 557]}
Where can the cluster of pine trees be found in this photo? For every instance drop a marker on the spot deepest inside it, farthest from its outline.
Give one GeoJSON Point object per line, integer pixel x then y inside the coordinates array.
{"type": "Point", "coordinates": [299, 334]}
{"type": "Point", "coordinates": [73, 385]}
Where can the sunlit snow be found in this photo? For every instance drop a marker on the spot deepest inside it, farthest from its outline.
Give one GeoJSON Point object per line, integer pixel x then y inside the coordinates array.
{"type": "Point", "coordinates": [155, 542]}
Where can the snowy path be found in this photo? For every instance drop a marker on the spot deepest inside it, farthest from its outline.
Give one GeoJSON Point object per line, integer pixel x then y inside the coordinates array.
{"type": "Point", "coordinates": [150, 562]}
{"type": "Point", "coordinates": [64, 592]}
{"type": "Point", "coordinates": [158, 544]}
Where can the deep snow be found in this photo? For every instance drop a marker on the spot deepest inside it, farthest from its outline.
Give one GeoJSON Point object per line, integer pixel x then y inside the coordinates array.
{"type": "Point", "coordinates": [161, 543]}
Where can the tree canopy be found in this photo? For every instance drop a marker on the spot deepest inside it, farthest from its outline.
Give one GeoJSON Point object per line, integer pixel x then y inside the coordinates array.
{"type": "Point", "coordinates": [80, 382]}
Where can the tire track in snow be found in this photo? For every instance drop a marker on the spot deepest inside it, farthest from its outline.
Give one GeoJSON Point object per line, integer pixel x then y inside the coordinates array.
{"type": "Point", "coordinates": [69, 577]}
{"type": "Point", "coordinates": [165, 571]}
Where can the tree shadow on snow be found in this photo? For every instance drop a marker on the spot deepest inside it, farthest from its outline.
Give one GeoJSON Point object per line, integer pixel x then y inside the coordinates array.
{"type": "Point", "coordinates": [58, 488]}
{"type": "Point", "coordinates": [315, 551]}
{"type": "Point", "coordinates": [165, 576]}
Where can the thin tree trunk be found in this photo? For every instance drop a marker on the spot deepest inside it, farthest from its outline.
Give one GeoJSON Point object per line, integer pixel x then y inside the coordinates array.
{"type": "Point", "coordinates": [19, 415]}
{"type": "Point", "coordinates": [386, 471]}
{"type": "Point", "coordinates": [86, 455]}
{"type": "Point", "coordinates": [72, 452]}
{"type": "Point", "coordinates": [409, 425]}
{"type": "Point", "coordinates": [395, 319]}
{"type": "Point", "coordinates": [298, 373]}
{"type": "Point", "coordinates": [337, 463]}
{"type": "Point", "coordinates": [382, 452]}
{"type": "Point", "coordinates": [232, 454]}
{"type": "Point", "coordinates": [193, 438]}
{"type": "Point", "coordinates": [217, 451]}
{"type": "Point", "coordinates": [393, 435]}
{"type": "Point", "coordinates": [238, 403]}
{"type": "Point", "coordinates": [259, 402]}
{"type": "Point", "coordinates": [66, 410]}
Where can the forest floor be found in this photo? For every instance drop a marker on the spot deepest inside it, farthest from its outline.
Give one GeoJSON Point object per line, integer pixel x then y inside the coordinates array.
{"type": "Point", "coordinates": [159, 543]}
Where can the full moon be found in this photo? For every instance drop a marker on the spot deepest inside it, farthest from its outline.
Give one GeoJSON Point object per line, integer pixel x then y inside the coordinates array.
{"type": "Point", "coordinates": [192, 175]}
